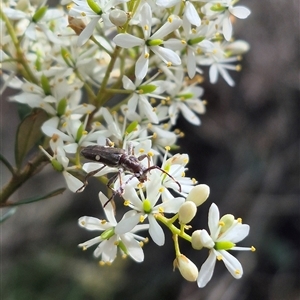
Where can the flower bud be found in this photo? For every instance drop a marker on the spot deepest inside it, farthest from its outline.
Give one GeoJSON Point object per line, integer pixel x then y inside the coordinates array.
{"type": "Point", "coordinates": [200, 239]}
{"type": "Point", "coordinates": [147, 88]}
{"type": "Point", "coordinates": [57, 165]}
{"type": "Point", "coordinates": [39, 14]}
{"type": "Point", "coordinates": [187, 212]}
{"type": "Point", "coordinates": [198, 194]}
{"type": "Point", "coordinates": [118, 17]}
{"type": "Point", "coordinates": [61, 107]}
{"type": "Point", "coordinates": [94, 7]}
{"type": "Point", "coordinates": [186, 267]}
{"type": "Point", "coordinates": [45, 85]}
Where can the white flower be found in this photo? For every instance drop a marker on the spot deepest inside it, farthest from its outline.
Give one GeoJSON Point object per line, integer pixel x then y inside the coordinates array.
{"type": "Point", "coordinates": [147, 207]}
{"type": "Point", "coordinates": [152, 42]}
{"type": "Point", "coordinates": [57, 97]}
{"type": "Point", "coordinates": [226, 8]}
{"type": "Point", "coordinates": [184, 99]}
{"type": "Point", "coordinates": [193, 41]}
{"type": "Point", "coordinates": [190, 12]}
{"type": "Point", "coordinates": [42, 18]}
{"type": "Point", "coordinates": [119, 131]}
{"type": "Point", "coordinates": [95, 10]}
{"type": "Point", "coordinates": [219, 63]}
{"type": "Point", "coordinates": [75, 134]}
{"type": "Point", "coordinates": [109, 241]}
{"type": "Point", "coordinates": [140, 98]}
{"type": "Point", "coordinates": [224, 233]}
{"type": "Point", "coordinates": [175, 167]}
{"type": "Point", "coordinates": [60, 163]}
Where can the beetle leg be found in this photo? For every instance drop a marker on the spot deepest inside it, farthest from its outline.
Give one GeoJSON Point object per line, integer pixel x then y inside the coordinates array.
{"type": "Point", "coordinates": [130, 149]}
{"type": "Point", "coordinates": [85, 183]}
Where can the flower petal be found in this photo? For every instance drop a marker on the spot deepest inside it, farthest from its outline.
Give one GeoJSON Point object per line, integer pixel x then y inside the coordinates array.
{"type": "Point", "coordinates": [108, 209]}
{"type": "Point", "coordinates": [192, 14]}
{"type": "Point", "coordinates": [156, 231]}
{"type": "Point", "coordinates": [173, 205]}
{"type": "Point", "coordinates": [91, 223]}
{"type": "Point", "coordinates": [87, 32]}
{"type": "Point", "coordinates": [127, 224]}
{"type": "Point", "coordinates": [141, 66]}
{"type": "Point", "coordinates": [133, 247]}
{"type": "Point", "coordinates": [126, 40]}
{"type": "Point", "coordinates": [240, 12]}
{"type": "Point", "coordinates": [236, 233]}
{"type": "Point", "coordinates": [207, 270]}
{"type": "Point", "coordinates": [213, 221]}
{"type": "Point", "coordinates": [167, 55]}
{"type": "Point", "coordinates": [72, 182]}
{"type": "Point", "coordinates": [232, 264]}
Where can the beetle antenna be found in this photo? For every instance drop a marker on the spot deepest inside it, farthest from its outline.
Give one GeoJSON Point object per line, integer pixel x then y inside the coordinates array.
{"type": "Point", "coordinates": [165, 172]}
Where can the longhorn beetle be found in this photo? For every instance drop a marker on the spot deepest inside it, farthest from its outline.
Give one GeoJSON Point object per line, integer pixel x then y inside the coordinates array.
{"type": "Point", "coordinates": [121, 159]}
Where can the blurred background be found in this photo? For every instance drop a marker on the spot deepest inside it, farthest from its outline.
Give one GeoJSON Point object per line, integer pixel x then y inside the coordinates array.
{"type": "Point", "coordinates": [246, 150]}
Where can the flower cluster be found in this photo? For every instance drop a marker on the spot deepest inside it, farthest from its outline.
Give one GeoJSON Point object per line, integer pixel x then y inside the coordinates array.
{"type": "Point", "coordinates": [112, 77]}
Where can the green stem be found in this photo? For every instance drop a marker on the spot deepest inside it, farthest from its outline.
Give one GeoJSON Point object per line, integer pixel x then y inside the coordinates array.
{"type": "Point", "coordinates": [101, 97]}
{"type": "Point", "coordinates": [173, 228]}
{"type": "Point", "coordinates": [20, 55]}
{"type": "Point", "coordinates": [18, 178]}
{"type": "Point", "coordinates": [118, 91]}
{"type": "Point", "coordinates": [176, 245]}
{"type": "Point", "coordinates": [100, 46]}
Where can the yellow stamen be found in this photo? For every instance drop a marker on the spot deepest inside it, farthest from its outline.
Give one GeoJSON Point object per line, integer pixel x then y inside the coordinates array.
{"type": "Point", "coordinates": [161, 189]}
{"type": "Point", "coordinates": [126, 203]}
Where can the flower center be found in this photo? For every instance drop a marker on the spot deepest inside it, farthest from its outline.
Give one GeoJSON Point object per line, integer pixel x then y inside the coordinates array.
{"type": "Point", "coordinates": [224, 245]}
{"type": "Point", "coordinates": [147, 206]}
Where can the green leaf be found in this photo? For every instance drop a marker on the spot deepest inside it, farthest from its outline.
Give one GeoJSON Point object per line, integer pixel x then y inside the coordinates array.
{"type": "Point", "coordinates": [28, 134]}
{"type": "Point", "coordinates": [23, 110]}
{"type": "Point", "coordinates": [7, 214]}
{"type": "Point", "coordinates": [39, 198]}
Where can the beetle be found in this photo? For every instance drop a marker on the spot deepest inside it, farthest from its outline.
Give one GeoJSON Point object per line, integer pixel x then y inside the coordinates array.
{"type": "Point", "coordinates": [121, 159]}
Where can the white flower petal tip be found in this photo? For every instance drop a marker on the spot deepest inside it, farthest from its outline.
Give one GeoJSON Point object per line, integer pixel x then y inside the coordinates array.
{"type": "Point", "coordinates": [199, 194]}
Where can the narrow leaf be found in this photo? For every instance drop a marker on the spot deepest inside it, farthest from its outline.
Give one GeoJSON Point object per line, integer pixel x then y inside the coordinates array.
{"type": "Point", "coordinates": [28, 134]}
{"type": "Point", "coordinates": [39, 198]}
